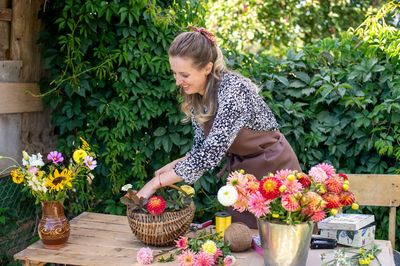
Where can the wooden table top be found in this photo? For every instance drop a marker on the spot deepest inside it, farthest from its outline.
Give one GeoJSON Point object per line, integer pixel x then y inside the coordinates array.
{"type": "Point", "coordinates": [104, 239]}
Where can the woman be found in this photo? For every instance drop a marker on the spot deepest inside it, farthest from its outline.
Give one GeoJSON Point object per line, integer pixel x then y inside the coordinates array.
{"type": "Point", "coordinates": [228, 116]}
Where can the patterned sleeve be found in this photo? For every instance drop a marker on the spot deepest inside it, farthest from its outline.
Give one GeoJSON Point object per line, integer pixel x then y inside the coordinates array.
{"type": "Point", "coordinates": [232, 114]}
{"type": "Point", "coordinates": [198, 138]}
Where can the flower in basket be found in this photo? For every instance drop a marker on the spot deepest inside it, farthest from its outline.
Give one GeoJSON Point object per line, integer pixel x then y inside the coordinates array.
{"type": "Point", "coordinates": [50, 180]}
{"type": "Point", "coordinates": [288, 195]}
{"type": "Point", "coordinates": [166, 199]}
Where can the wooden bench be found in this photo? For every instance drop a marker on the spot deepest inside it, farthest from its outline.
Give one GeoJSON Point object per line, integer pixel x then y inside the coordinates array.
{"type": "Point", "coordinates": [378, 190]}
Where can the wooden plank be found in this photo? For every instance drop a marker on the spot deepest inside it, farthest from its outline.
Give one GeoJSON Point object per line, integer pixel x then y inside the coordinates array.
{"type": "Point", "coordinates": [10, 139]}
{"type": "Point", "coordinates": [101, 226]}
{"type": "Point", "coordinates": [10, 71]}
{"type": "Point", "coordinates": [392, 226]}
{"type": "Point", "coordinates": [25, 30]}
{"type": "Point", "coordinates": [5, 14]}
{"type": "Point", "coordinates": [4, 33]}
{"type": "Point", "coordinates": [101, 217]}
{"type": "Point", "coordinates": [15, 100]}
{"type": "Point", "coordinates": [375, 190]}
{"type": "Point", "coordinates": [37, 133]}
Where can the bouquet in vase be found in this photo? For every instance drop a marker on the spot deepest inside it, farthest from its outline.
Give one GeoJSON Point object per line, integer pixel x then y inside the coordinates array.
{"type": "Point", "coordinates": [50, 181]}
{"type": "Point", "coordinates": [289, 196]}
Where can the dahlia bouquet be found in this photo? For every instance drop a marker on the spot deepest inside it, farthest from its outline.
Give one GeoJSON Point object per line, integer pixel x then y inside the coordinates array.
{"type": "Point", "coordinates": [205, 249]}
{"type": "Point", "coordinates": [289, 196]}
{"type": "Point", "coordinates": [50, 180]}
{"type": "Point", "coordinates": [166, 199]}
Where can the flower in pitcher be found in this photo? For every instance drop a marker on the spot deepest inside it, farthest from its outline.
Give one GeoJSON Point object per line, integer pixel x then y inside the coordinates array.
{"type": "Point", "coordinates": [17, 176]}
{"type": "Point", "coordinates": [33, 160]}
{"type": "Point", "coordinates": [79, 155]}
{"type": "Point", "coordinates": [55, 157]}
{"type": "Point", "coordinates": [90, 162]}
{"type": "Point", "coordinates": [57, 180]}
{"type": "Point", "coordinates": [126, 187]}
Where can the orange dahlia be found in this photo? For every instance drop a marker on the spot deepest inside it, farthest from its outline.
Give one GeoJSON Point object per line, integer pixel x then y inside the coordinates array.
{"type": "Point", "coordinates": [269, 187]}
{"type": "Point", "coordinates": [346, 198]}
{"type": "Point", "coordinates": [304, 180]}
{"type": "Point", "coordinates": [290, 203]}
{"type": "Point", "coordinates": [334, 184]}
{"type": "Point", "coordinates": [156, 205]}
{"type": "Point", "coordinates": [332, 200]}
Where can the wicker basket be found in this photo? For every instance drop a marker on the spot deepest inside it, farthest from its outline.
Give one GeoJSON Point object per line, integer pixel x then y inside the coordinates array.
{"type": "Point", "coordinates": [160, 230]}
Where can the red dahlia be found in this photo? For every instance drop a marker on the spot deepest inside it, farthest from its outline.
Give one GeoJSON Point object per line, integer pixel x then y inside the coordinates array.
{"type": "Point", "coordinates": [346, 198]}
{"type": "Point", "coordinates": [304, 180]}
{"type": "Point", "coordinates": [344, 176]}
{"type": "Point", "coordinates": [156, 205]}
{"type": "Point", "coordinates": [332, 200]}
{"type": "Point", "coordinates": [269, 187]}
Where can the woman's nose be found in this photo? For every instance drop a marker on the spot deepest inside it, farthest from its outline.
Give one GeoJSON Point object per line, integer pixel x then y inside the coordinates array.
{"type": "Point", "coordinates": [178, 82]}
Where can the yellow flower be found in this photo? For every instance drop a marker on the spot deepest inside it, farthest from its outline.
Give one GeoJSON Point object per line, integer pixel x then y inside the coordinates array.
{"type": "Point", "coordinates": [79, 156]}
{"type": "Point", "coordinates": [361, 261]}
{"type": "Point", "coordinates": [209, 247]}
{"type": "Point", "coordinates": [58, 181]}
{"type": "Point", "coordinates": [275, 215]}
{"type": "Point", "coordinates": [371, 256]}
{"type": "Point", "coordinates": [354, 206]}
{"type": "Point", "coordinates": [85, 146]}
{"type": "Point", "coordinates": [17, 176]}
{"type": "Point", "coordinates": [188, 189]}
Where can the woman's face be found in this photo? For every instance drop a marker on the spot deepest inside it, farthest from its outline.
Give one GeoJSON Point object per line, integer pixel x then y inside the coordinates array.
{"type": "Point", "coordinates": [191, 79]}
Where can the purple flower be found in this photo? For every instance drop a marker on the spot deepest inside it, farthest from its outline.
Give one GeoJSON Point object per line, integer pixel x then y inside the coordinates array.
{"type": "Point", "coordinates": [55, 156]}
{"type": "Point", "coordinates": [90, 163]}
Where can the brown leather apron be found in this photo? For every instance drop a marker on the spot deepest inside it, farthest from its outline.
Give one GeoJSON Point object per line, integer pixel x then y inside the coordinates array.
{"type": "Point", "coordinates": [258, 153]}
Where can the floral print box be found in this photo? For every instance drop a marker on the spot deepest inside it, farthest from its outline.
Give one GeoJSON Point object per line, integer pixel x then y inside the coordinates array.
{"type": "Point", "coordinates": [354, 238]}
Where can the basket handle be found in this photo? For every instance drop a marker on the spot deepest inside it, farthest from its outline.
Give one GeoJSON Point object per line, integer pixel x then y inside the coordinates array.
{"type": "Point", "coordinates": [179, 189]}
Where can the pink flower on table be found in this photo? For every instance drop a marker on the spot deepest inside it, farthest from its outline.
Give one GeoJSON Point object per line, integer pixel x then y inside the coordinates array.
{"type": "Point", "coordinates": [217, 254]}
{"type": "Point", "coordinates": [90, 163]}
{"type": "Point", "coordinates": [318, 174]}
{"type": "Point", "coordinates": [187, 258]}
{"type": "Point", "coordinates": [145, 256]}
{"type": "Point", "coordinates": [203, 259]}
{"type": "Point", "coordinates": [55, 156]}
{"type": "Point", "coordinates": [258, 205]}
{"type": "Point", "coordinates": [182, 242]}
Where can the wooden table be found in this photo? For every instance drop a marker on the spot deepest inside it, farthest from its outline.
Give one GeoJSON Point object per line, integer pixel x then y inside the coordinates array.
{"type": "Point", "coordinates": [103, 239]}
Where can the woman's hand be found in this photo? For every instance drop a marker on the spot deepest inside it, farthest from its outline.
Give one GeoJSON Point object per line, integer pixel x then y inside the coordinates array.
{"type": "Point", "coordinates": [149, 189]}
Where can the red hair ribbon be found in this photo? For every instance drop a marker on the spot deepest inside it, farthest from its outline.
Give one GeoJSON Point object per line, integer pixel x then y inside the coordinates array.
{"type": "Point", "coordinates": [205, 32]}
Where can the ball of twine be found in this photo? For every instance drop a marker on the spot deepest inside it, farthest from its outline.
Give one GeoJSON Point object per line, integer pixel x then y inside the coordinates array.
{"type": "Point", "coordinates": [239, 236]}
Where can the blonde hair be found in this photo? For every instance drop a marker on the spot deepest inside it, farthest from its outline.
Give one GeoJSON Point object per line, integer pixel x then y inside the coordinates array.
{"type": "Point", "coordinates": [201, 50]}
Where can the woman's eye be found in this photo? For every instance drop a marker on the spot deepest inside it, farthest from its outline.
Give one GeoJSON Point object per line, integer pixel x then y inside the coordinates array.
{"type": "Point", "coordinates": [185, 76]}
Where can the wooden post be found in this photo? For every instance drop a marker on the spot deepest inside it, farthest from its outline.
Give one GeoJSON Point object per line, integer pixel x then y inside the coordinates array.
{"type": "Point", "coordinates": [5, 29]}
{"type": "Point", "coordinates": [392, 226]}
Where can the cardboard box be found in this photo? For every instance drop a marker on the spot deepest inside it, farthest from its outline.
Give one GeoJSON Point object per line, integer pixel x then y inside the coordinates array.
{"type": "Point", "coordinates": [346, 221]}
{"type": "Point", "coordinates": [354, 238]}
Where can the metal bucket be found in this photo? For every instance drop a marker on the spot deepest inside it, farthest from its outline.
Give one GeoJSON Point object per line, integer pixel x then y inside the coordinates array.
{"type": "Point", "coordinates": [284, 245]}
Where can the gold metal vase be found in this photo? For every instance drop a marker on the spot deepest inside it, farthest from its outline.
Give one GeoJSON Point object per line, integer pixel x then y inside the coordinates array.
{"type": "Point", "coordinates": [284, 245]}
{"type": "Point", "coordinates": [54, 227]}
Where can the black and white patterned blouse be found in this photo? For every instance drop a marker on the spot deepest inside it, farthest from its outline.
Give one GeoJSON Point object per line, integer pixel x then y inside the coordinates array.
{"type": "Point", "coordinates": [239, 106]}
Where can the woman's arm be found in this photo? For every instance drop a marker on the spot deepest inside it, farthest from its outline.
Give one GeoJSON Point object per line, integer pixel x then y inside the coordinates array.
{"type": "Point", "coordinates": [161, 180]}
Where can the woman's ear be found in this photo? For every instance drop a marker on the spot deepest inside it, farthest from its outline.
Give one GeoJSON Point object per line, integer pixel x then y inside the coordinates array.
{"type": "Point", "coordinates": [208, 68]}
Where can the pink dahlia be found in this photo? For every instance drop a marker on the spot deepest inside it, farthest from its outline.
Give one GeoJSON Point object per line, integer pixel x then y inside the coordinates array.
{"type": "Point", "coordinates": [217, 254]}
{"type": "Point", "coordinates": [156, 205]}
{"type": "Point", "coordinates": [292, 187]}
{"type": "Point", "coordinates": [252, 186]}
{"type": "Point", "coordinates": [269, 187]}
{"type": "Point", "coordinates": [329, 170]}
{"type": "Point", "coordinates": [282, 174]}
{"type": "Point", "coordinates": [258, 205]}
{"type": "Point", "coordinates": [250, 177]}
{"type": "Point", "coordinates": [318, 216]}
{"type": "Point", "coordinates": [318, 174]}
{"type": "Point", "coordinates": [240, 203]}
{"type": "Point", "coordinates": [144, 256]}
{"type": "Point", "coordinates": [182, 242]}
{"type": "Point", "coordinates": [290, 203]}
{"type": "Point", "coordinates": [237, 179]}
{"type": "Point", "coordinates": [187, 258]}
{"type": "Point", "coordinates": [203, 259]}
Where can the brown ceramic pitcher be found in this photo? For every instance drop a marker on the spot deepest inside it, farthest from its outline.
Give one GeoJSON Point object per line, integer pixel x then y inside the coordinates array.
{"type": "Point", "coordinates": [54, 226]}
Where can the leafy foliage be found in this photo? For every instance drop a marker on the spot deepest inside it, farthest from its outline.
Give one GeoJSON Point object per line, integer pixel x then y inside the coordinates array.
{"type": "Point", "coordinates": [273, 26]}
